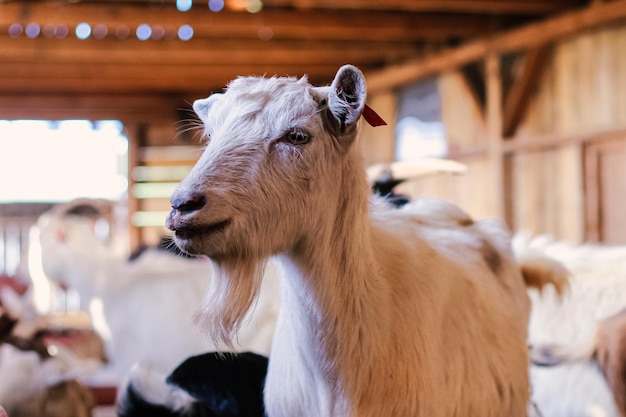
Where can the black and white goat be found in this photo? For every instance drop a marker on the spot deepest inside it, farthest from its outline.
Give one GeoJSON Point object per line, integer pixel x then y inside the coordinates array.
{"type": "Point", "coordinates": [208, 385]}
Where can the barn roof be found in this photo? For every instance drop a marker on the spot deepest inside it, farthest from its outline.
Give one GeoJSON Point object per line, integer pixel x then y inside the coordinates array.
{"type": "Point", "coordinates": [90, 53]}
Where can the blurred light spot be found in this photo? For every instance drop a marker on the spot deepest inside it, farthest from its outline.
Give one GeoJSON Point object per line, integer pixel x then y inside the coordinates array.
{"type": "Point", "coordinates": [48, 30]}
{"type": "Point", "coordinates": [254, 6]}
{"type": "Point", "coordinates": [15, 30]}
{"type": "Point", "coordinates": [158, 32]}
{"type": "Point", "coordinates": [52, 350]}
{"type": "Point", "coordinates": [171, 32]}
{"type": "Point", "coordinates": [185, 32]}
{"type": "Point", "coordinates": [61, 31]}
{"type": "Point", "coordinates": [83, 30]}
{"type": "Point", "coordinates": [265, 33]}
{"type": "Point", "coordinates": [122, 32]}
{"type": "Point", "coordinates": [216, 5]}
{"type": "Point", "coordinates": [100, 31]}
{"type": "Point", "coordinates": [143, 32]}
{"type": "Point", "coordinates": [237, 5]}
{"type": "Point", "coordinates": [183, 5]}
{"type": "Point", "coordinates": [32, 30]}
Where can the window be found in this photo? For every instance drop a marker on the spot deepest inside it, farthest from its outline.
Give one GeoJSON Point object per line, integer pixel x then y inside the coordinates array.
{"type": "Point", "coordinates": [420, 133]}
{"type": "Point", "coordinates": [46, 161]}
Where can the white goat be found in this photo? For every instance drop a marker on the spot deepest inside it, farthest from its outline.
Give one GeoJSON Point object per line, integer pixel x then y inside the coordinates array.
{"type": "Point", "coordinates": [143, 308]}
{"type": "Point", "coordinates": [33, 386]}
{"type": "Point", "coordinates": [574, 327]}
{"type": "Point", "coordinates": [383, 312]}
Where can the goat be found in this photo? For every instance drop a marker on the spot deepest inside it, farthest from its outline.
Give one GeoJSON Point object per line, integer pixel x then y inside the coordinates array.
{"type": "Point", "coordinates": [212, 384]}
{"type": "Point", "coordinates": [384, 312]}
{"type": "Point", "coordinates": [143, 308]}
{"type": "Point", "coordinates": [610, 353]}
{"type": "Point", "coordinates": [586, 383]}
{"type": "Point", "coordinates": [576, 338]}
{"type": "Point", "coordinates": [32, 386]}
{"type": "Point", "coordinates": [35, 382]}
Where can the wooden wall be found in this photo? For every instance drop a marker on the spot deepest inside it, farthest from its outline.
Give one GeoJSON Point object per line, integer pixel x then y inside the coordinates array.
{"type": "Point", "coordinates": [573, 187]}
{"type": "Point", "coordinates": [563, 171]}
{"type": "Point", "coordinates": [161, 154]}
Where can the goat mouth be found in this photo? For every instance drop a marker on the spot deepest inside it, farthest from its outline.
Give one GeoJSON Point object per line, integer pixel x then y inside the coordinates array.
{"type": "Point", "coordinates": [200, 231]}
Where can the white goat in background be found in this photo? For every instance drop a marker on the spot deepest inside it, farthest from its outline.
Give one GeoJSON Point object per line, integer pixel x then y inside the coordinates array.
{"type": "Point", "coordinates": [567, 327]}
{"type": "Point", "coordinates": [384, 312]}
{"type": "Point", "coordinates": [147, 304]}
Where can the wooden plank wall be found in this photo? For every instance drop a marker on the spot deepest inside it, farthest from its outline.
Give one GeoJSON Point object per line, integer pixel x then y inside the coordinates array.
{"type": "Point", "coordinates": [579, 103]}
{"type": "Point", "coordinates": [583, 91]}
{"type": "Point", "coordinates": [170, 147]}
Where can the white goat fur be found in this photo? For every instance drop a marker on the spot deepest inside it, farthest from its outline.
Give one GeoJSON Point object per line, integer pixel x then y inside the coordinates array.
{"type": "Point", "coordinates": [597, 291]}
{"type": "Point", "coordinates": [147, 304]}
{"type": "Point", "coordinates": [384, 312]}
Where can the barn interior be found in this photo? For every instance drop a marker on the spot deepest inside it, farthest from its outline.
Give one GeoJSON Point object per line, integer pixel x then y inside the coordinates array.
{"type": "Point", "coordinates": [514, 109]}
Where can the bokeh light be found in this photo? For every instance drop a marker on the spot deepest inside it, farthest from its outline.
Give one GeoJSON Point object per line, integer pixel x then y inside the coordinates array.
{"type": "Point", "coordinates": [254, 6]}
{"type": "Point", "coordinates": [216, 5]}
{"type": "Point", "coordinates": [185, 32]}
{"type": "Point", "coordinates": [100, 31]}
{"type": "Point", "coordinates": [122, 32]}
{"type": "Point", "coordinates": [83, 30]}
{"type": "Point", "coordinates": [61, 31]}
{"type": "Point", "coordinates": [32, 30]}
{"type": "Point", "coordinates": [265, 33]}
{"type": "Point", "coordinates": [48, 30]}
{"type": "Point", "coordinates": [16, 30]}
{"type": "Point", "coordinates": [183, 5]}
{"type": "Point", "coordinates": [158, 32]}
{"type": "Point", "coordinates": [143, 32]}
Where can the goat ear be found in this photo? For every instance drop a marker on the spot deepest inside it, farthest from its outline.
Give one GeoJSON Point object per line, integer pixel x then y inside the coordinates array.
{"type": "Point", "coordinates": [201, 106]}
{"type": "Point", "coordinates": [346, 98]}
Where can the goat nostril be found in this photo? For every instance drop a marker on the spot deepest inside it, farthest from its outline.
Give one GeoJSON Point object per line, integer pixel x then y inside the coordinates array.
{"type": "Point", "coordinates": [191, 203]}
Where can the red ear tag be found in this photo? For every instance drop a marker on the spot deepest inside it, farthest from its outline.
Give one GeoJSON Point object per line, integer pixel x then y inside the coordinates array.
{"type": "Point", "coordinates": [372, 117]}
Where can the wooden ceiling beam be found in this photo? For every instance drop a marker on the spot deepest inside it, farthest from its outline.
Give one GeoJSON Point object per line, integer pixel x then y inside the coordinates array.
{"type": "Point", "coordinates": [135, 52]}
{"type": "Point", "coordinates": [523, 87]}
{"type": "Point", "coordinates": [529, 36]}
{"type": "Point", "coordinates": [112, 78]}
{"type": "Point", "coordinates": [127, 107]}
{"type": "Point", "coordinates": [529, 7]}
{"type": "Point", "coordinates": [346, 25]}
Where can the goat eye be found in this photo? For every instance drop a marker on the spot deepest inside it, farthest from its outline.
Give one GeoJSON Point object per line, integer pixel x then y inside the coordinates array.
{"type": "Point", "coordinates": [297, 137]}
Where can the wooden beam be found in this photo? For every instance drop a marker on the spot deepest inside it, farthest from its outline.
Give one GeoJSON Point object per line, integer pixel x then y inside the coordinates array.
{"type": "Point", "coordinates": [542, 143]}
{"type": "Point", "coordinates": [278, 24]}
{"type": "Point", "coordinates": [456, 6]}
{"type": "Point", "coordinates": [136, 139]}
{"type": "Point", "coordinates": [545, 142]}
{"type": "Point", "coordinates": [592, 194]}
{"type": "Point", "coordinates": [493, 85]}
{"type": "Point", "coordinates": [112, 78]}
{"type": "Point", "coordinates": [524, 86]}
{"type": "Point", "coordinates": [130, 108]}
{"type": "Point", "coordinates": [532, 35]}
{"type": "Point", "coordinates": [200, 52]}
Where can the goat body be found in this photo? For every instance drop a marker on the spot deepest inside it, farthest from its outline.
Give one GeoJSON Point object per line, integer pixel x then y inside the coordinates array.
{"type": "Point", "coordinates": [582, 333]}
{"type": "Point", "coordinates": [32, 386]}
{"type": "Point", "coordinates": [418, 312]}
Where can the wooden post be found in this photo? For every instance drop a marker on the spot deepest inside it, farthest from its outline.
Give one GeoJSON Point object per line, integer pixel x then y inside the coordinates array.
{"type": "Point", "coordinates": [136, 135]}
{"type": "Point", "coordinates": [493, 83]}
